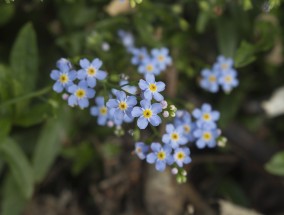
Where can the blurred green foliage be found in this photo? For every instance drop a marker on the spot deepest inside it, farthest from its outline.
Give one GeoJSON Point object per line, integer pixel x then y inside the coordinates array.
{"type": "Point", "coordinates": [34, 34]}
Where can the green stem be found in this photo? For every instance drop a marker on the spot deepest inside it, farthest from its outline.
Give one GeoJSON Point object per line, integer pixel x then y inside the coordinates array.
{"type": "Point", "coordinates": [25, 97]}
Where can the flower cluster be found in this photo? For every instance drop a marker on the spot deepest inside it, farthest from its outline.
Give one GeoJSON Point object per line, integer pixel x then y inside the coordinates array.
{"type": "Point", "coordinates": [79, 85]}
{"type": "Point", "coordinates": [221, 75]}
{"type": "Point", "coordinates": [174, 150]}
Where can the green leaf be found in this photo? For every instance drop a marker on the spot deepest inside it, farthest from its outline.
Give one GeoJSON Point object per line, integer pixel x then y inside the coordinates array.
{"type": "Point", "coordinates": [13, 202]}
{"type": "Point", "coordinates": [276, 164]}
{"type": "Point", "coordinates": [7, 11]}
{"type": "Point", "coordinates": [5, 125]}
{"type": "Point", "coordinates": [49, 144]}
{"type": "Point", "coordinates": [24, 59]}
{"type": "Point", "coordinates": [19, 166]}
{"type": "Point", "coordinates": [244, 55]}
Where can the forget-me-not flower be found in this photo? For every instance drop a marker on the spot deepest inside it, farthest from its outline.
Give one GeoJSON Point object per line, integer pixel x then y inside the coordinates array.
{"type": "Point", "coordinates": [205, 115]}
{"type": "Point", "coordinates": [91, 71]}
{"type": "Point", "coordinates": [223, 64]}
{"type": "Point", "coordinates": [151, 88]}
{"type": "Point", "coordinates": [228, 80]}
{"type": "Point", "coordinates": [149, 66]}
{"type": "Point", "coordinates": [174, 136]}
{"type": "Point", "coordinates": [64, 77]}
{"type": "Point", "coordinates": [162, 57]}
{"type": "Point", "coordinates": [81, 94]}
{"type": "Point", "coordinates": [147, 113]}
{"type": "Point", "coordinates": [181, 156]}
{"type": "Point", "coordinates": [183, 118]}
{"type": "Point", "coordinates": [141, 150]}
{"type": "Point", "coordinates": [161, 156]}
{"type": "Point", "coordinates": [101, 111]}
{"type": "Point", "coordinates": [122, 105]}
{"type": "Point", "coordinates": [127, 39]}
{"type": "Point", "coordinates": [206, 135]}
{"type": "Point", "coordinates": [209, 80]}
{"type": "Point", "coordinates": [139, 55]}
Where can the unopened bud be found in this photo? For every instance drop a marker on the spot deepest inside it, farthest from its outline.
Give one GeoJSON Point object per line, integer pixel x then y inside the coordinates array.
{"type": "Point", "coordinates": [174, 171]}
{"type": "Point", "coordinates": [164, 104]}
{"type": "Point", "coordinates": [166, 114]}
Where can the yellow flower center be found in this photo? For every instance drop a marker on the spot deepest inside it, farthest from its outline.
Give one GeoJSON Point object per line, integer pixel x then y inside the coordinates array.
{"type": "Point", "coordinates": [80, 93]}
{"type": "Point", "coordinates": [63, 78]}
{"type": "Point", "coordinates": [138, 150]}
{"type": "Point", "coordinates": [122, 106]}
{"type": "Point", "coordinates": [228, 79]}
{"type": "Point", "coordinates": [161, 155]}
{"type": "Point", "coordinates": [180, 156]}
{"type": "Point", "coordinates": [161, 58]}
{"type": "Point", "coordinates": [186, 128]}
{"type": "Point", "coordinates": [212, 78]}
{"type": "Point", "coordinates": [147, 113]}
{"type": "Point", "coordinates": [153, 88]}
{"type": "Point", "coordinates": [149, 67]}
{"type": "Point", "coordinates": [175, 136]}
{"type": "Point", "coordinates": [224, 66]}
{"type": "Point", "coordinates": [103, 110]}
{"type": "Point", "coordinates": [207, 136]}
{"type": "Point", "coordinates": [91, 71]}
{"type": "Point", "coordinates": [206, 116]}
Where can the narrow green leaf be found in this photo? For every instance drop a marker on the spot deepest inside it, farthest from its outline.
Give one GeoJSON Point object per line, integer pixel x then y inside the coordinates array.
{"type": "Point", "coordinates": [245, 54]}
{"type": "Point", "coordinates": [49, 144]}
{"type": "Point", "coordinates": [13, 201]}
{"type": "Point", "coordinates": [19, 166]}
{"type": "Point", "coordinates": [24, 58]}
{"type": "Point", "coordinates": [276, 164]}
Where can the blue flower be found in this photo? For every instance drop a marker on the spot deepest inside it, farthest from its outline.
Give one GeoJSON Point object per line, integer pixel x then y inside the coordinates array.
{"type": "Point", "coordinates": [122, 105]}
{"type": "Point", "coordinates": [174, 136]}
{"type": "Point", "coordinates": [147, 113]}
{"type": "Point", "coordinates": [209, 80]}
{"type": "Point", "coordinates": [127, 88]}
{"type": "Point", "coordinates": [117, 121]}
{"type": "Point", "coordinates": [205, 115]}
{"type": "Point", "coordinates": [149, 66]}
{"type": "Point", "coordinates": [139, 55]}
{"type": "Point", "coordinates": [100, 110]}
{"type": "Point", "coordinates": [91, 71]}
{"type": "Point", "coordinates": [151, 88]}
{"type": "Point", "coordinates": [228, 80]}
{"type": "Point", "coordinates": [223, 64]}
{"type": "Point", "coordinates": [181, 156]}
{"type": "Point", "coordinates": [64, 77]}
{"type": "Point", "coordinates": [183, 119]}
{"type": "Point", "coordinates": [161, 156]}
{"type": "Point", "coordinates": [141, 150]}
{"type": "Point", "coordinates": [80, 94]}
{"type": "Point", "coordinates": [206, 135]}
{"type": "Point", "coordinates": [162, 57]}
{"type": "Point", "coordinates": [126, 38]}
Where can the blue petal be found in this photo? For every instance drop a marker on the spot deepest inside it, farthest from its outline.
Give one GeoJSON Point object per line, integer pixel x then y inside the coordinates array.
{"type": "Point", "coordinates": [206, 107]}
{"type": "Point", "coordinates": [83, 103]}
{"type": "Point", "coordinates": [112, 103]}
{"type": "Point", "coordinates": [72, 88]}
{"type": "Point", "coordinates": [196, 113]}
{"type": "Point", "coordinates": [160, 165]}
{"type": "Point", "coordinates": [158, 97]}
{"type": "Point", "coordinates": [72, 75]}
{"type": "Point", "coordinates": [136, 112]}
{"type": "Point", "coordinates": [94, 111]}
{"type": "Point", "coordinates": [84, 63]}
{"type": "Point", "coordinates": [121, 96]}
{"type": "Point", "coordinates": [187, 160]}
{"type": "Point", "coordinates": [97, 63]}
{"type": "Point", "coordinates": [57, 87]}
{"type": "Point", "coordinates": [142, 84]}
{"type": "Point", "coordinates": [150, 78]}
{"type": "Point", "coordinates": [83, 84]}
{"type": "Point", "coordinates": [72, 101]}
{"type": "Point", "coordinates": [101, 75]}
{"type": "Point", "coordinates": [142, 122]}
{"type": "Point", "coordinates": [151, 158]}
{"type": "Point", "coordinates": [131, 100]}
{"type": "Point", "coordinates": [155, 120]}
{"type": "Point", "coordinates": [102, 120]}
{"type": "Point", "coordinates": [54, 74]}
{"type": "Point", "coordinates": [170, 128]}
{"type": "Point", "coordinates": [156, 147]}
{"type": "Point", "coordinates": [118, 114]}
{"type": "Point", "coordinates": [160, 86]}
{"type": "Point", "coordinates": [215, 115]}
{"type": "Point", "coordinates": [197, 133]}
{"type": "Point", "coordinates": [90, 93]}
{"type": "Point", "coordinates": [91, 82]}
{"type": "Point", "coordinates": [148, 94]}
{"type": "Point", "coordinates": [200, 144]}
{"type": "Point", "coordinates": [146, 104]}
{"type": "Point", "coordinates": [166, 138]}
{"type": "Point", "coordinates": [100, 101]}
{"type": "Point", "coordinates": [157, 108]}
{"type": "Point", "coordinates": [81, 74]}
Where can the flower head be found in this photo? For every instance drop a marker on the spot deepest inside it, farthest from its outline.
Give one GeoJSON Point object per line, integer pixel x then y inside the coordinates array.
{"type": "Point", "coordinates": [139, 55]}
{"type": "Point", "coordinates": [228, 80]}
{"type": "Point", "coordinates": [151, 88]}
{"type": "Point", "coordinates": [149, 66]}
{"type": "Point", "coordinates": [160, 155]}
{"type": "Point", "coordinates": [101, 111]}
{"type": "Point", "coordinates": [64, 77]}
{"type": "Point", "coordinates": [181, 156]}
{"type": "Point", "coordinates": [223, 64]}
{"type": "Point", "coordinates": [205, 115]}
{"type": "Point", "coordinates": [147, 113]}
{"type": "Point", "coordinates": [162, 57]}
{"type": "Point", "coordinates": [209, 80]}
{"type": "Point", "coordinates": [183, 119]}
{"type": "Point", "coordinates": [81, 94]}
{"type": "Point", "coordinates": [141, 150]}
{"type": "Point", "coordinates": [127, 38]}
{"type": "Point", "coordinates": [206, 135]}
{"type": "Point", "coordinates": [122, 105]}
{"type": "Point", "coordinates": [91, 71]}
{"type": "Point", "coordinates": [174, 136]}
